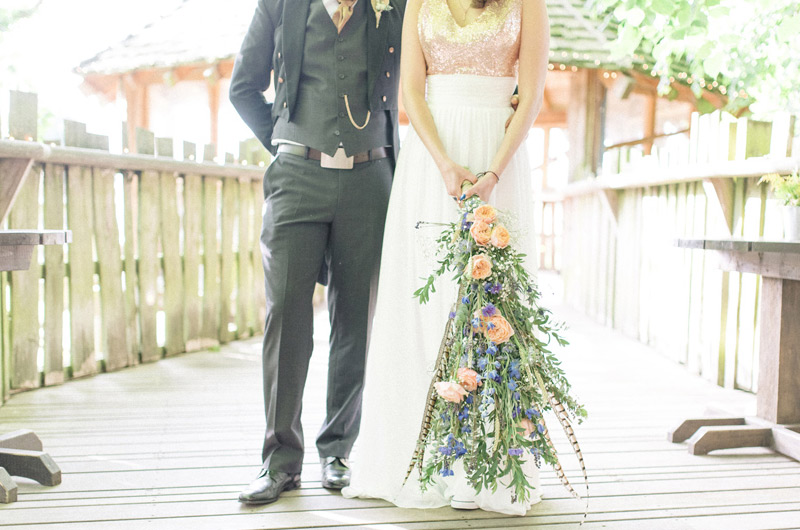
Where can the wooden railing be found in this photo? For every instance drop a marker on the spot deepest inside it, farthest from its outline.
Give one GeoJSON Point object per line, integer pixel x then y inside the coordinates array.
{"type": "Point", "coordinates": [621, 265]}
{"type": "Point", "coordinates": [164, 255]}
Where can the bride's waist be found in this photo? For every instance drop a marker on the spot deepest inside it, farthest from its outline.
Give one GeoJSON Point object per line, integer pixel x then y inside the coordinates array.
{"type": "Point", "coordinates": [469, 90]}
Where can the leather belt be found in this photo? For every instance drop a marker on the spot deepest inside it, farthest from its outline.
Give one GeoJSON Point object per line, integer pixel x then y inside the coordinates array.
{"type": "Point", "coordinates": [338, 160]}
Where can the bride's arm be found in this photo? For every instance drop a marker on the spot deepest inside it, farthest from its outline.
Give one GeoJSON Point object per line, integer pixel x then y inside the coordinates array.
{"type": "Point", "coordinates": [413, 71]}
{"type": "Point", "coordinates": [533, 54]}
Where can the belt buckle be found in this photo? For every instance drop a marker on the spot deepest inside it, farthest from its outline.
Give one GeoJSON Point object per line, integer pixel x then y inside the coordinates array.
{"type": "Point", "coordinates": [338, 161]}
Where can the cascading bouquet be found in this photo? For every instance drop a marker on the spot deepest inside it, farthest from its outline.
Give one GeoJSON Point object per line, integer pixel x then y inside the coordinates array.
{"type": "Point", "coordinates": [496, 374]}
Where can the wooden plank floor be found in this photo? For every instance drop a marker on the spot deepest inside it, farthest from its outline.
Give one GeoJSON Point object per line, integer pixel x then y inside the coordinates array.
{"type": "Point", "coordinates": [169, 445]}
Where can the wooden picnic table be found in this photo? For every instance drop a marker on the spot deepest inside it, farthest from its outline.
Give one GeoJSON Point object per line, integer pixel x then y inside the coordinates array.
{"type": "Point", "coordinates": [777, 421]}
{"type": "Point", "coordinates": [21, 452]}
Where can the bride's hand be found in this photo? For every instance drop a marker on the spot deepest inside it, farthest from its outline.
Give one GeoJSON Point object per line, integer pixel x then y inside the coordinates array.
{"type": "Point", "coordinates": [453, 175]}
{"type": "Point", "coordinates": [483, 188]}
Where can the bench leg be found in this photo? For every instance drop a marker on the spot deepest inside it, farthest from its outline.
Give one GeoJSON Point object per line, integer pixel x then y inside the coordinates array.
{"type": "Point", "coordinates": [8, 488]}
{"type": "Point", "coordinates": [35, 465]}
{"type": "Point", "coordinates": [21, 439]}
{"type": "Point", "coordinates": [728, 437]}
{"type": "Point", "coordinates": [686, 429]}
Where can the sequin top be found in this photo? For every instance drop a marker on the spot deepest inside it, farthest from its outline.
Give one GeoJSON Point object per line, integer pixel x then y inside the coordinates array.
{"type": "Point", "coordinates": [487, 46]}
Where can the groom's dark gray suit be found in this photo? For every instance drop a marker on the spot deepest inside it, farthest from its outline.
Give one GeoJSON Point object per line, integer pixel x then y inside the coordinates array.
{"type": "Point", "coordinates": [319, 219]}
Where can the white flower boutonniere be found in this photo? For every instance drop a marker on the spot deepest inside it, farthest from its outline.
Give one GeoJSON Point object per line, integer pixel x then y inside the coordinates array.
{"type": "Point", "coordinates": [380, 6]}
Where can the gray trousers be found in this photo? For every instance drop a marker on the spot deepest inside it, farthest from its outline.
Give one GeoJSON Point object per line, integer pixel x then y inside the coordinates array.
{"type": "Point", "coordinates": [314, 214]}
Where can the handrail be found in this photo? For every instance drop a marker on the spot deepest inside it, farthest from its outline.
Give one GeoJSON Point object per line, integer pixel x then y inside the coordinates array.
{"type": "Point", "coordinates": [135, 162]}
{"type": "Point", "coordinates": [646, 176]}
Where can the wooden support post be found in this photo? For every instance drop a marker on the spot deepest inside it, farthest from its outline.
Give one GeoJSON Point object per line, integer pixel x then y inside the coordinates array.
{"type": "Point", "coordinates": [213, 106]}
{"type": "Point", "coordinates": [650, 123]}
{"type": "Point", "coordinates": [149, 219]}
{"type": "Point", "coordinates": [546, 157]}
{"type": "Point", "coordinates": [779, 354]}
{"type": "Point", "coordinates": [55, 272]}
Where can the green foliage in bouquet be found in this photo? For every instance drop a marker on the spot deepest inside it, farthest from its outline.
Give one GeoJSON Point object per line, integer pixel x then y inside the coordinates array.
{"type": "Point", "coordinates": [496, 373]}
{"type": "Point", "coordinates": [785, 187]}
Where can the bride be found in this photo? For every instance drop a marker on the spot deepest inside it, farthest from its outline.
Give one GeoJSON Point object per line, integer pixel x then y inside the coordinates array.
{"type": "Point", "coordinates": [461, 62]}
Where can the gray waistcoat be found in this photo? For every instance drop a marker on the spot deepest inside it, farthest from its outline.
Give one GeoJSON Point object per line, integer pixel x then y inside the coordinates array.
{"type": "Point", "coordinates": [334, 65]}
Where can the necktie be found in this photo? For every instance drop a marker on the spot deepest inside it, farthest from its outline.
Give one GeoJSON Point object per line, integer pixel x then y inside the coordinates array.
{"type": "Point", "coordinates": [343, 13]}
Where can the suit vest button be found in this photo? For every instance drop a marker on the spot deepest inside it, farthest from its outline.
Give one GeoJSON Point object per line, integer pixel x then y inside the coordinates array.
{"type": "Point", "coordinates": [391, 49]}
{"type": "Point", "coordinates": [384, 99]}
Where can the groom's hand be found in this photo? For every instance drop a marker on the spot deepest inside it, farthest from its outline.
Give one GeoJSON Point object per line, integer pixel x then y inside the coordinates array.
{"type": "Point", "coordinates": [514, 104]}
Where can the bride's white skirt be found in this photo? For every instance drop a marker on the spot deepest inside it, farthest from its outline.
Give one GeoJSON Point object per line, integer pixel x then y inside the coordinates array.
{"type": "Point", "coordinates": [470, 114]}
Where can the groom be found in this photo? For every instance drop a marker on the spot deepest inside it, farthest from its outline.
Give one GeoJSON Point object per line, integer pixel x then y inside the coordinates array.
{"type": "Point", "coordinates": [333, 127]}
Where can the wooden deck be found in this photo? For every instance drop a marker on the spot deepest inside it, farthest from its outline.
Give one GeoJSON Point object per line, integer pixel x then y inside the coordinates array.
{"type": "Point", "coordinates": [169, 444]}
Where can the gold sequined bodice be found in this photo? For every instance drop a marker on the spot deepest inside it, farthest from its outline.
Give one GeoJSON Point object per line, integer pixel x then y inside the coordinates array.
{"type": "Point", "coordinates": [487, 46]}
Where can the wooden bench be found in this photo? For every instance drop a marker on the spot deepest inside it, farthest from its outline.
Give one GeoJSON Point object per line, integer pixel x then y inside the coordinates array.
{"type": "Point", "coordinates": [777, 421]}
{"type": "Point", "coordinates": [21, 451]}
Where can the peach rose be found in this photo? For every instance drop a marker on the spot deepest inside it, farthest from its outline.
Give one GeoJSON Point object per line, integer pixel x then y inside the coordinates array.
{"type": "Point", "coordinates": [452, 392]}
{"type": "Point", "coordinates": [528, 425]}
{"type": "Point", "coordinates": [481, 233]}
{"type": "Point", "coordinates": [485, 213]}
{"type": "Point", "coordinates": [498, 330]}
{"type": "Point", "coordinates": [468, 379]}
{"type": "Point", "coordinates": [480, 267]}
{"type": "Point", "coordinates": [500, 236]}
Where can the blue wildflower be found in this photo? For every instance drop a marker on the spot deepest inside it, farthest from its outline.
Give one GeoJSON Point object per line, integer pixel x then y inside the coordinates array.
{"type": "Point", "coordinates": [531, 412]}
{"type": "Point", "coordinates": [540, 428]}
{"type": "Point", "coordinates": [515, 451]}
{"type": "Point", "coordinates": [469, 399]}
{"type": "Point", "coordinates": [512, 385]}
{"type": "Point", "coordinates": [490, 326]}
{"type": "Point", "coordinates": [447, 472]}
{"type": "Point", "coordinates": [465, 300]}
{"type": "Point", "coordinates": [493, 375]}
{"type": "Point", "coordinates": [460, 449]}
{"type": "Point", "coordinates": [497, 364]}
{"type": "Point", "coordinates": [489, 310]}
{"type": "Point", "coordinates": [464, 414]}
{"type": "Point", "coordinates": [446, 450]}
{"type": "Point", "coordinates": [452, 315]}
{"type": "Point", "coordinates": [516, 397]}
{"type": "Point", "coordinates": [535, 452]}
{"type": "Point", "coordinates": [476, 323]}
{"type": "Point", "coordinates": [496, 288]}
{"type": "Point", "coordinates": [491, 350]}
{"type": "Point", "coordinates": [482, 363]}
{"type": "Point", "coordinates": [466, 429]}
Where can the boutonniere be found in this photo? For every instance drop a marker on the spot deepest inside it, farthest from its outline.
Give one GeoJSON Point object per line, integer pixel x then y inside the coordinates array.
{"type": "Point", "coordinates": [380, 6]}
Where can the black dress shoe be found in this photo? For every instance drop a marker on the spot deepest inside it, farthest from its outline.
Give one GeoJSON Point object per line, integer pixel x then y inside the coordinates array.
{"type": "Point", "coordinates": [335, 473]}
{"type": "Point", "coordinates": [268, 486]}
